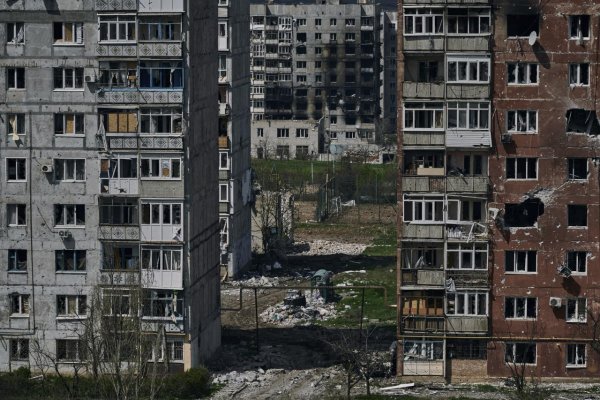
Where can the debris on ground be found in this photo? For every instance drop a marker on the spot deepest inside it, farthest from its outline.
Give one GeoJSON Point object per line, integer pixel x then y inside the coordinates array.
{"type": "Point", "coordinates": [290, 315]}
{"type": "Point", "coordinates": [325, 247]}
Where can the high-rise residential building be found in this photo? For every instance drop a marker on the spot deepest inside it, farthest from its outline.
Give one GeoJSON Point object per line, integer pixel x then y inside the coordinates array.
{"type": "Point", "coordinates": [498, 237]}
{"type": "Point", "coordinates": [109, 177]}
{"type": "Point", "coordinates": [387, 78]}
{"type": "Point", "coordinates": [235, 176]}
{"type": "Point", "coordinates": [315, 78]}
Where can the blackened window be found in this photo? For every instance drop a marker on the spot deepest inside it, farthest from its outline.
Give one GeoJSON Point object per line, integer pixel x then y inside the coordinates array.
{"type": "Point", "coordinates": [522, 25]}
{"type": "Point", "coordinates": [577, 214]}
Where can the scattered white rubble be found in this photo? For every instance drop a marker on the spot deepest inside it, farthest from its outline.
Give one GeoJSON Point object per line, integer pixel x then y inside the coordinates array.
{"type": "Point", "coordinates": [287, 315]}
{"type": "Point", "coordinates": [326, 247]}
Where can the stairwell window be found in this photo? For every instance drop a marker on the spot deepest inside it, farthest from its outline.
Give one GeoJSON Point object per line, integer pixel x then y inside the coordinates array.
{"type": "Point", "coordinates": [577, 310]}
{"type": "Point", "coordinates": [520, 261]}
{"type": "Point", "coordinates": [521, 121]}
{"type": "Point", "coordinates": [579, 74]}
{"type": "Point", "coordinates": [520, 308]}
{"type": "Point", "coordinates": [522, 73]}
{"type": "Point", "coordinates": [468, 69]}
{"type": "Point", "coordinates": [68, 33]}
{"type": "Point", "coordinates": [474, 116]}
{"type": "Point", "coordinates": [521, 168]}
{"type": "Point", "coordinates": [68, 78]}
{"type": "Point", "coordinates": [467, 303]}
{"type": "Point", "coordinates": [423, 116]}
{"type": "Point", "coordinates": [428, 21]}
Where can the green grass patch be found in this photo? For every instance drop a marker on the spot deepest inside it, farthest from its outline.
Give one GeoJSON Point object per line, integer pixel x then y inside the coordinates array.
{"type": "Point", "coordinates": [384, 244]}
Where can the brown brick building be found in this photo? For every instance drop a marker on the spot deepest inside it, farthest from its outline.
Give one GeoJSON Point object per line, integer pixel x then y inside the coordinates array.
{"type": "Point", "coordinates": [499, 230]}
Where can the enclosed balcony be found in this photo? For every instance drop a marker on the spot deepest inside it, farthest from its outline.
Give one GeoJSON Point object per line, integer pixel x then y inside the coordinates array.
{"type": "Point", "coordinates": [162, 222]}
{"type": "Point", "coordinates": [118, 218]}
{"type": "Point", "coordinates": [162, 267]}
{"type": "Point", "coordinates": [118, 175]}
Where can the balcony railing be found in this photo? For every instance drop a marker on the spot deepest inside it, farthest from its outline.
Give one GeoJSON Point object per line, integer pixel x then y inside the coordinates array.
{"type": "Point", "coordinates": [423, 90]}
{"type": "Point", "coordinates": [424, 277]}
{"type": "Point", "coordinates": [144, 96]}
{"type": "Point", "coordinates": [162, 279]}
{"type": "Point", "coordinates": [418, 231]}
{"type": "Point", "coordinates": [469, 277]}
{"type": "Point", "coordinates": [119, 232]}
{"type": "Point", "coordinates": [467, 324]}
{"type": "Point", "coordinates": [423, 323]}
{"type": "Point", "coordinates": [116, 5]}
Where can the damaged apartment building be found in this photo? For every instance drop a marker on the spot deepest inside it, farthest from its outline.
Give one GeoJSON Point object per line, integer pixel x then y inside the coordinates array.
{"type": "Point", "coordinates": [498, 238]}
{"type": "Point", "coordinates": [109, 174]}
{"type": "Point", "coordinates": [235, 176]}
{"type": "Point", "coordinates": [316, 75]}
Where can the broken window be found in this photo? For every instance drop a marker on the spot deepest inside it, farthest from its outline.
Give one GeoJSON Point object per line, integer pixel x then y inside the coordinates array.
{"type": "Point", "coordinates": [15, 214]}
{"type": "Point", "coordinates": [577, 168]}
{"type": "Point", "coordinates": [16, 124]}
{"type": "Point", "coordinates": [466, 256]}
{"type": "Point", "coordinates": [522, 25]}
{"type": "Point", "coordinates": [465, 210]}
{"type": "Point", "coordinates": [120, 256]}
{"type": "Point", "coordinates": [163, 304]}
{"type": "Point", "coordinates": [68, 124]}
{"type": "Point", "coordinates": [521, 121]}
{"type": "Point", "coordinates": [160, 28]}
{"type": "Point", "coordinates": [467, 349]}
{"type": "Point", "coordinates": [522, 261]}
{"type": "Point", "coordinates": [165, 258]}
{"type": "Point", "coordinates": [577, 214]}
{"type": "Point", "coordinates": [467, 165]}
{"type": "Point", "coordinates": [158, 121]}
{"type": "Point", "coordinates": [70, 260]}
{"type": "Point", "coordinates": [523, 214]}
{"type": "Point", "coordinates": [428, 71]}
{"type": "Point", "coordinates": [72, 170]}
{"type": "Point", "coordinates": [520, 308]}
{"type": "Point", "coordinates": [68, 78]}
{"type": "Point", "coordinates": [415, 162]}
{"type": "Point", "coordinates": [69, 215]}
{"type": "Point", "coordinates": [161, 74]}
{"type": "Point", "coordinates": [423, 350]}
{"type": "Point", "coordinates": [582, 121]}
{"type": "Point", "coordinates": [520, 353]}
{"type": "Point", "coordinates": [118, 211]}
{"type": "Point", "coordinates": [579, 74]}
{"type": "Point", "coordinates": [579, 27]}
{"type": "Point", "coordinates": [521, 168]}
{"type": "Point", "coordinates": [468, 69]}
{"type": "Point", "coordinates": [17, 260]}
{"type": "Point", "coordinates": [68, 33]}
{"type": "Point", "coordinates": [119, 121]}
{"type": "Point", "coordinates": [423, 116]}
{"type": "Point", "coordinates": [522, 73]}
{"type": "Point", "coordinates": [160, 168]}
{"type": "Point", "coordinates": [422, 257]}
{"type": "Point", "coordinates": [576, 355]}
{"type": "Point", "coordinates": [15, 33]}
{"type": "Point", "coordinates": [467, 303]}
{"type": "Point", "coordinates": [577, 309]}
{"type": "Point", "coordinates": [118, 74]}
{"type": "Point", "coordinates": [71, 305]}
{"type": "Point", "coordinates": [433, 306]}
{"type": "Point", "coordinates": [16, 169]}
{"type": "Point", "coordinates": [577, 262]}
{"type": "Point", "coordinates": [468, 21]}
{"type": "Point", "coordinates": [472, 115]}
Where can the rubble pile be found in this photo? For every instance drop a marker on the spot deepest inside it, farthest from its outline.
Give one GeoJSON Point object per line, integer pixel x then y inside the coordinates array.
{"type": "Point", "coordinates": [325, 247]}
{"type": "Point", "coordinates": [291, 313]}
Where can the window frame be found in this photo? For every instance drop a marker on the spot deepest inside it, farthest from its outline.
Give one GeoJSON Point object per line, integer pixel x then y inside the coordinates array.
{"type": "Point", "coordinates": [20, 164]}
{"type": "Point", "coordinates": [481, 111]}
{"type": "Point", "coordinates": [479, 62]}
{"type": "Point", "coordinates": [527, 71]}
{"type": "Point", "coordinates": [471, 249]}
{"type": "Point", "coordinates": [469, 299]}
{"type": "Point", "coordinates": [16, 27]}
{"type": "Point", "coordinates": [513, 346]}
{"type": "Point", "coordinates": [62, 120]}
{"type": "Point", "coordinates": [517, 268]}
{"type": "Point", "coordinates": [17, 261]}
{"type": "Point", "coordinates": [586, 216]}
{"type": "Point", "coordinates": [66, 347]}
{"type": "Point", "coordinates": [583, 36]}
{"type": "Point", "coordinates": [120, 21]}
{"type": "Point", "coordinates": [19, 128]}
{"type": "Point", "coordinates": [19, 208]}
{"type": "Point", "coordinates": [469, 15]}
{"type": "Point", "coordinates": [76, 77]}
{"type": "Point", "coordinates": [571, 169]}
{"type": "Point", "coordinates": [411, 113]}
{"type": "Point", "coordinates": [76, 32]}
{"type": "Point", "coordinates": [515, 160]}
{"type": "Point", "coordinates": [147, 211]}
{"type": "Point", "coordinates": [525, 308]}
{"type": "Point", "coordinates": [64, 311]}
{"type": "Point", "coordinates": [578, 316]}
{"type": "Point", "coordinates": [160, 256]}
{"type": "Point", "coordinates": [575, 75]}
{"type": "Point", "coordinates": [78, 175]}
{"type": "Point", "coordinates": [425, 18]}
{"type": "Point", "coordinates": [173, 118]}
{"type": "Point", "coordinates": [147, 173]}
{"type": "Point", "coordinates": [423, 206]}
{"type": "Point", "coordinates": [12, 78]}
{"type": "Point", "coordinates": [77, 258]}
{"type": "Point", "coordinates": [513, 117]}
{"type": "Point", "coordinates": [577, 262]}
{"type": "Point", "coordinates": [20, 307]}
{"type": "Point", "coordinates": [577, 348]}
{"type": "Point", "coordinates": [75, 210]}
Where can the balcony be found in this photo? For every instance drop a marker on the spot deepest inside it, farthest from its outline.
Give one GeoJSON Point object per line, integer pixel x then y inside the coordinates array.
{"type": "Point", "coordinates": [161, 6]}
{"type": "Point", "coordinates": [424, 43]}
{"type": "Point", "coordinates": [134, 96]}
{"type": "Point", "coordinates": [468, 43]}
{"type": "Point", "coordinates": [119, 232]}
{"type": "Point", "coordinates": [159, 49]}
{"type": "Point", "coordinates": [423, 184]}
{"type": "Point", "coordinates": [223, 142]}
{"type": "Point", "coordinates": [164, 142]}
{"type": "Point", "coordinates": [467, 184]}
{"type": "Point", "coordinates": [468, 139]}
{"type": "Point", "coordinates": [104, 49]}
{"type": "Point", "coordinates": [467, 324]}
{"type": "Point", "coordinates": [423, 368]}
{"type": "Point", "coordinates": [161, 233]}
{"type": "Point", "coordinates": [469, 277]}
{"type": "Point", "coordinates": [423, 277]}
{"type": "Point", "coordinates": [420, 232]}
{"type": "Point", "coordinates": [423, 138]}
{"type": "Point", "coordinates": [467, 231]}
{"type": "Point", "coordinates": [423, 90]}
{"type": "Point", "coordinates": [116, 5]}
{"type": "Point", "coordinates": [467, 91]}
{"type": "Point", "coordinates": [224, 109]}
{"type": "Point", "coordinates": [162, 279]}
{"type": "Point", "coordinates": [430, 324]}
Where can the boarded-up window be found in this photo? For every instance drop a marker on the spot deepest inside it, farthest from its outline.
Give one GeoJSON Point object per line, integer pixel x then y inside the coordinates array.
{"type": "Point", "coordinates": [121, 122]}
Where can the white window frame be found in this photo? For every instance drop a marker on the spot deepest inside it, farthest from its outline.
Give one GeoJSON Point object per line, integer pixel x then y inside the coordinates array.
{"type": "Point", "coordinates": [20, 163]}
{"type": "Point", "coordinates": [283, 133]}
{"type": "Point", "coordinates": [71, 347]}
{"type": "Point", "coordinates": [74, 210]}
{"type": "Point", "coordinates": [575, 304]}
{"type": "Point", "coordinates": [468, 302]}
{"type": "Point", "coordinates": [473, 65]}
{"type": "Point", "coordinates": [70, 168]}
{"type": "Point", "coordinates": [464, 209]}
{"type": "Point", "coordinates": [515, 300]}
{"type": "Point", "coordinates": [513, 349]}
{"type": "Point", "coordinates": [520, 261]}
{"type": "Point", "coordinates": [528, 160]}
{"type": "Point", "coordinates": [469, 16]}
{"type": "Point", "coordinates": [577, 262]}
{"type": "Point", "coordinates": [16, 262]}
{"type": "Point", "coordinates": [471, 249]}
{"type": "Point", "coordinates": [122, 23]}
{"type": "Point", "coordinates": [521, 68]}
{"type": "Point", "coordinates": [473, 115]}
{"type": "Point", "coordinates": [580, 34]}
{"type": "Point", "coordinates": [577, 352]}
{"type": "Point", "coordinates": [78, 122]}
{"type": "Point", "coordinates": [22, 303]}
{"type": "Point", "coordinates": [223, 192]}
{"type": "Point", "coordinates": [76, 33]}
{"type": "Point", "coordinates": [18, 33]}
{"type": "Point", "coordinates": [522, 121]}
{"type": "Point", "coordinates": [223, 161]}
{"type": "Point", "coordinates": [12, 78]}
{"type": "Point", "coordinates": [571, 169]}
{"type": "Point", "coordinates": [302, 132]}
{"type": "Point", "coordinates": [173, 118]}
{"type": "Point", "coordinates": [301, 22]}
{"type": "Point", "coordinates": [119, 294]}
{"type": "Point", "coordinates": [576, 77]}
{"type": "Point", "coordinates": [434, 113]}
{"type": "Point", "coordinates": [162, 208]}
{"type": "Point", "coordinates": [224, 231]}
{"type": "Point", "coordinates": [78, 302]}
{"type": "Point", "coordinates": [222, 67]}
{"type": "Point", "coordinates": [14, 210]}
{"type": "Point", "coordinates": [73, 72]}
{"type": "Point", "coordinates": [433, 206]}
{"type": "Point", "coordinates": [430, 21]}
{"type": "Point", "coordinates": [163, 162]}
{"type": "Point", "coordinates": [162, 258]}
{"type": "Point", "coordinates": [78, 259]}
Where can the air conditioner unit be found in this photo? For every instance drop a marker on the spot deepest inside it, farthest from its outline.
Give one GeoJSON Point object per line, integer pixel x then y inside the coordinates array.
{"type": "Point", "coordinates": [90, 78]}
{"type": "Point", "coordinates": [64, 234]}
{"type": "Point", "coordinates": [506, 138]}
{"type": "Point", "coordinates": [555, 302]}
{"type": "Point", "coordinates": [47, 168]}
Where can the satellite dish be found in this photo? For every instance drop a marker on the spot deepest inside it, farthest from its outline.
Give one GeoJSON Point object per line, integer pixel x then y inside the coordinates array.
{"type": "Point", "coordinates": [532, 38]}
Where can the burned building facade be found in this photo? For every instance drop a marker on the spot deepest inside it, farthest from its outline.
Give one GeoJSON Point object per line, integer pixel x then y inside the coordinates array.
{"type": "Point", "coordinates": [498, 235]}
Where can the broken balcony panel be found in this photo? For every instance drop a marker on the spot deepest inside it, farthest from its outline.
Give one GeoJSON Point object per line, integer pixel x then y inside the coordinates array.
{"type": "Point", "coordinates": [416, 231]}
{"type": "Point", "coordinates": [423, 277]}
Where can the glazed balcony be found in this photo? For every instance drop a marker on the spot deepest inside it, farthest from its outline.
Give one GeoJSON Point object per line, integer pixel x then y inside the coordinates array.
{"type": "Point", "coordinates": [467, 324]}
{"type": "Point", "coordinates": [418, 323]}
